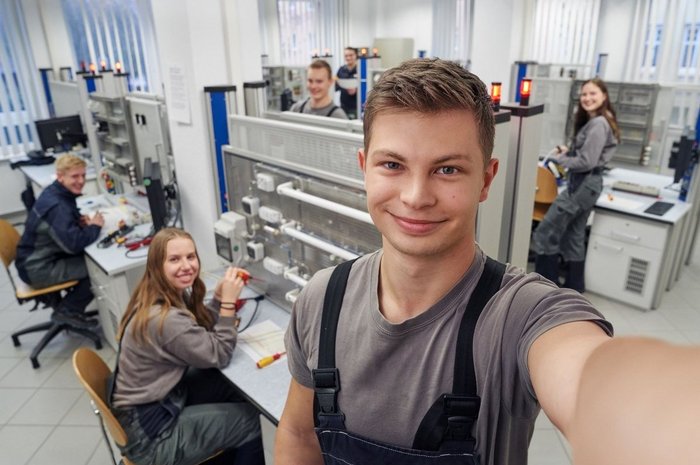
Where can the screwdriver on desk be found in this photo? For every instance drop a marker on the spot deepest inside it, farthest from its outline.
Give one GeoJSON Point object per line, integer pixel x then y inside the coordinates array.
{"type": "Point", "coordinates": [265, 361]}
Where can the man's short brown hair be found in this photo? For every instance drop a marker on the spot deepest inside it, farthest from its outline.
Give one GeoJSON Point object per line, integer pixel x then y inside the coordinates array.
{"type": "Point", "coordinates": [432, 86]}
{"type": "Point", "coordinates": [321, 64]}
{"type": "Point", "coordinates": [68, 162]}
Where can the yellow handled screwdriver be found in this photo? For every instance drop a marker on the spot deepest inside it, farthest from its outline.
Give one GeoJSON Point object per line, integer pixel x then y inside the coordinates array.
{"type": "Point", "coordinates": [265, 361]}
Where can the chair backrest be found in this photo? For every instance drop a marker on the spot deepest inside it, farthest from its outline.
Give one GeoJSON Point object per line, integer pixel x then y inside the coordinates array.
{"type": "Point", "coordinates": [546, 186]}
{"type": "Point", "coordinates": [9, 238]}
{"type": "Point", "coordinates": [94, 374]}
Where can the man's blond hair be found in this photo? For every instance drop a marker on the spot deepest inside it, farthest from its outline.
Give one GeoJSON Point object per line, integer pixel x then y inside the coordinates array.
{"type": "Point", "coordinates": [68, 162]}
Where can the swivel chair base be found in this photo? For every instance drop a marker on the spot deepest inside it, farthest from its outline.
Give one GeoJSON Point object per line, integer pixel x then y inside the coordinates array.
{"type": "Point", "coordinates": [52, 330]}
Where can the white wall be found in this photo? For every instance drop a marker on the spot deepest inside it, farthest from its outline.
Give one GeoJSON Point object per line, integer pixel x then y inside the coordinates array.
{"type": "Point", "coordinates": [207, 41]}
{"type": "Point", "coordinates": [614, 29]}
{"type": "Point", "coordinates": [363, 14]}
{"type": "Point", "coordinates": [35, 30]}
{"type": "Point", "coordinates": [57, 41]}
{"type": "Point", "coordinates": [496, 38]}
{"type": "Point", "coordinates": [405, 18]}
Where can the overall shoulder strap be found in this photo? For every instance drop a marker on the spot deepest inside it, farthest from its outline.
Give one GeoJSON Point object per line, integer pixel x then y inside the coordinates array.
{"type": "Point", "coordinates": [326, 376]}
{"type": "Point", "coordinates": [335, 107]}
{"type": "Point", "coordinates": [490, 282]}
{"type": "Point", "coordinates": [448, 423]}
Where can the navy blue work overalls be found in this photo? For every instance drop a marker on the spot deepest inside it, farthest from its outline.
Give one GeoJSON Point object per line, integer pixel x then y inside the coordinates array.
{"type": "Point", "coordinates": [444, 436]}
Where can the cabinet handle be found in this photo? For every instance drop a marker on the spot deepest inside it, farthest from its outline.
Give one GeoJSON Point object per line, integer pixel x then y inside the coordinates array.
{"type": "Point", "coordinates": [614, 248]}
{"type": "Point", "coordinates": [625, 236]}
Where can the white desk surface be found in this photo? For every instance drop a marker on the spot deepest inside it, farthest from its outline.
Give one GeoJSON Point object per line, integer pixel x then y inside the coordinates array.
{"type": "Point", "coordinates": [112, 259]}
{"type": "Point", "coordinates": [266, 388]}
{"type": "Point", "coordinates": [44, 175]}
{"type": "Point", "coordinates": [635, 204]}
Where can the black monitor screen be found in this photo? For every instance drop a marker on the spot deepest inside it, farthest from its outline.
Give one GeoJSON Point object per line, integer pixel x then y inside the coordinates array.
{"type": "Point", "coordinates": [681, 156]}
{"type": "Point", "coordinates": [60, 134]}
{"type": "Point", "coordinates": [155, 194]}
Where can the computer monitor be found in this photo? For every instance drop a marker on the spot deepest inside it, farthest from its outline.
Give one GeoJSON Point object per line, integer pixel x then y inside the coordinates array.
{"type": "Point", "coordinates": [60, 134]}
{"type": "Point", "coordinates": [155, 193]}
{"type": "Point", "coordinates": [681, 155]}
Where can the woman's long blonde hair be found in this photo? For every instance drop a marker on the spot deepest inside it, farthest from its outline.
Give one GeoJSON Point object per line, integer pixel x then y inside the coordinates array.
{"type": "Point", "coordinates": [155, 289]}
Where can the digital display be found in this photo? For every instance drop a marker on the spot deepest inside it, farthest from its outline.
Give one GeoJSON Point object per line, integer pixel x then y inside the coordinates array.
{"type": "Point", "coordinates": [223, 247]}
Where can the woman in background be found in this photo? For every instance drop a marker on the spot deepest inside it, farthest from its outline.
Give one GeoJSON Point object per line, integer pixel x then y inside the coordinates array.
{"type": "Point", "coordinates": [169, 395]}
{"type": "Point", "coordinates": [563, 229]}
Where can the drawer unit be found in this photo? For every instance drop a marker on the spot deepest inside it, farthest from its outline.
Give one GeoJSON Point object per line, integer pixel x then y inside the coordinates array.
{"type": "Point", "coordinates": [623, 228]}
{"type": "Point", "coordinates": [112, 293]}
{"type": "Point", "coordinates": [624, 258]}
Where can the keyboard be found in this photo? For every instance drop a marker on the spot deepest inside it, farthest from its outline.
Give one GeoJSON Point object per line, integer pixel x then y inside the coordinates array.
{"type": "Point", "coordinates": [633, 188]}
{"type": "Point", "coordinates": [659, 208]}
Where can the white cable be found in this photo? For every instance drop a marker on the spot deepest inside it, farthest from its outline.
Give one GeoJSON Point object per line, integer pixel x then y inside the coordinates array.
{"type": "Point", "coordinates": [287, 189]}
{"type": "Point", "coordinates": [291, 231]}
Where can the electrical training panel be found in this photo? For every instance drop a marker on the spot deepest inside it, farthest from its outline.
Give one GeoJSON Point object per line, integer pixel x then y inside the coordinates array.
{"type": "Point", "coordinates": [296, 207]}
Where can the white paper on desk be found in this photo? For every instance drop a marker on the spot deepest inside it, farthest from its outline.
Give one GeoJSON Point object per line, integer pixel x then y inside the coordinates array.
{"type": "Point", "coordinates": [619, 202]}
{"type": "Point", "coordinates": [261, 340]}
{"type": "Point", "coordinates": [348, 83]}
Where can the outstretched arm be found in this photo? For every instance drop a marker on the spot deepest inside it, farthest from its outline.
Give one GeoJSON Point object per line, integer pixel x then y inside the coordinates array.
{"type": "Point", "coordinates": [296, 442]}
{"type": "Point", "coordinates": [619, 401]}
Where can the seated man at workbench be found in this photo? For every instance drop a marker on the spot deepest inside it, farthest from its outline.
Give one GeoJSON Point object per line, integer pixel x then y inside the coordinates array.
{"type": "Point", "coordinates": [55, 236]}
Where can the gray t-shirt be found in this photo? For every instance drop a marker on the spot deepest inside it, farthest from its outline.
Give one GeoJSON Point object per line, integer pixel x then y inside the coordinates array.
{"type": "Point", "coordinates": [331, 110]}
{"type": "Point", "coordinates": [391, 374]}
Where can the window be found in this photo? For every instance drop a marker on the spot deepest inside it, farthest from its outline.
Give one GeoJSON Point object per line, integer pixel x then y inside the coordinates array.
{"type": "Point", "coordinates": [689, 48]}
{"type": "Point", "coordinates": [452, 30]}
{"type": "Point", "coordinates": [298, 38]}
{"type": "Point", "coordinates": [21, 97]}
{"type": "Point", "coordinates": [652, 40]}
{"type": "Point", "coordinates": [110, 31]}
{"type": "Point", "coordinates": [311, 27]}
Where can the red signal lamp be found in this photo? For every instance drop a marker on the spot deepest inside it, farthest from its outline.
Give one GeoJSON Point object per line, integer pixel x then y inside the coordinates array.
{"type": "Point", "coordinates": [496, 95]}
{"type": "Point", "coordinates": [525, 91]}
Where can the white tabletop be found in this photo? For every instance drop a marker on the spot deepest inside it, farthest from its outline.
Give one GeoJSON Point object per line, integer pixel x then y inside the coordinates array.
{"type": "Point", "coordinates": [267, 387]}
{"type": "Point", "coordinates": [635, 204]}
{"type": "Point", "coordinates": [113, 259]}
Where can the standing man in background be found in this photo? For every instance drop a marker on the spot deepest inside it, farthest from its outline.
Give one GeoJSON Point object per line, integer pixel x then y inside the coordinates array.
{"type": "Point", "coordinates": [55, 236]}
{"type": "Point", "coordinates": [348, 96]}
{"type": "Point", "coordinates": [319, 78]}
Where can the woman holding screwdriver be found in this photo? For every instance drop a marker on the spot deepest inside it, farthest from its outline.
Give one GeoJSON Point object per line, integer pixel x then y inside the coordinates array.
{"type": "Point", "coordinates": [168, 393]}
{"type": "Point", "coordinates": [563, 229]}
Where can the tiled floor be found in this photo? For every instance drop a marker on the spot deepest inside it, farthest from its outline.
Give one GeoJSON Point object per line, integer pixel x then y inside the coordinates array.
{"type": "Point", "coordinates": [45, 417]}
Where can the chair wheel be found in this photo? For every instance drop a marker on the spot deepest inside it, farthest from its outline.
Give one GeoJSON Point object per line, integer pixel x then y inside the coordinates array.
{"type": "Point", "coordinates": [15, 341]}
{"type": "Point", "coordinates": [35, 362]}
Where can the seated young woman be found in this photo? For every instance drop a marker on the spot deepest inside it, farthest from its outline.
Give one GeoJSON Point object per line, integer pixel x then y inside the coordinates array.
{"type": "Point", "coordinates": [168, 393]}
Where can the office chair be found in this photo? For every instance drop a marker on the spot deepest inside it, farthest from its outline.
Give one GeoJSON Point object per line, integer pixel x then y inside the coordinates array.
{"type": "Point", "coordinates": [545, 193]}
{"type": "Point", "coordinates": [48, 296]}
{"type": "Point", "coordinates": [94, 374]}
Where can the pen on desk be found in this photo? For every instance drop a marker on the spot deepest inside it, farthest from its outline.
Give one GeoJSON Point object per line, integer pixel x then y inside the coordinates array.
{"type": "Point", "coordinates": [265, 361]}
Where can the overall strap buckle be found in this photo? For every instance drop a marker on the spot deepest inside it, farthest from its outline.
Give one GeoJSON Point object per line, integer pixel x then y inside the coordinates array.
{"type": "Point", "coordinates": [462, 413]}
{"type": "Point", "coordinates": [326, 387]}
